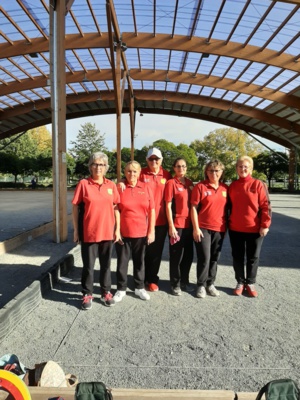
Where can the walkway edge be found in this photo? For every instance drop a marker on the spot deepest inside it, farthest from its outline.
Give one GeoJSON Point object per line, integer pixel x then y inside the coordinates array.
{"type": "Point", "coordinates": [26, 301]}
{"type": "Point", "coordinates": [27, 236]}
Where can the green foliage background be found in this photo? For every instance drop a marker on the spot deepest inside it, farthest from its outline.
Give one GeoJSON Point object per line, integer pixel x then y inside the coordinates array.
{"type": "Point", "coordinates": [31, 154]}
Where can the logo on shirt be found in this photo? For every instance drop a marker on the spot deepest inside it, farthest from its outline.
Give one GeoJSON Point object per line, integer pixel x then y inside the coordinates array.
{"type": "Point", "coordinates": [180, 189]}
{"type": "Point", "coordinates": [207, 193]}
{"type": "Point", "coordinates": [109, 191]}
{"type": "Point", "coordinates": [140, 192]}
{"type": "Point", "coordinates": [163, 181]}
{"type": "Point", "coordinates": [146, 180]}
{"type": "Point", "coordinates": [224, 193]}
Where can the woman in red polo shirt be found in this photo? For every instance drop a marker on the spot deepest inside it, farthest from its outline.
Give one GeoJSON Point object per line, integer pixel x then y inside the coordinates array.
{"type": "Point", "coordinates": [249, 222]}
{"type": "Point", "coordinates": [155, 177]}
{"type": "Point", "coordinates": [208, 213]}
{"type": "Point", "coordinates": [137, 215]}
{"type": "Point", "coordinates": [177, 197]}
{"type": "Point", "coordinates": [95, 208]}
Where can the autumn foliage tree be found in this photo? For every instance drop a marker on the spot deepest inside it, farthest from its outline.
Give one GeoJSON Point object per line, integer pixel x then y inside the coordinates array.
{"type": "Point", "coordinates": [29, 153]}
{"type": "Point", "coordinates": [225, 144]}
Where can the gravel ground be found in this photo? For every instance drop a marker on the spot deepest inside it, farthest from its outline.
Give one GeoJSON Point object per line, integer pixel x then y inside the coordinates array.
{"type": "Point", "coordinates": [235, 343]}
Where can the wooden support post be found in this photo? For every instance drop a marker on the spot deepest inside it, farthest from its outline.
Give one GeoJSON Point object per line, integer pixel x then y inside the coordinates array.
{"type": "Point", "coordinates": [292, 165]}
{"type": "Point", "coordinates": [58, 104]}
{"type": "Point", "coordinates": [118, 107]}
{"type": "Point", "coordinates": [132, 126]}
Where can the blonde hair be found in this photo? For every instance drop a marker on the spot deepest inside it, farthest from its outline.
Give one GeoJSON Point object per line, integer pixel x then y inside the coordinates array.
{"type": "Point", "coordinates": [134, 164]}
{"type": "Point", "coordinates": [245, 158]}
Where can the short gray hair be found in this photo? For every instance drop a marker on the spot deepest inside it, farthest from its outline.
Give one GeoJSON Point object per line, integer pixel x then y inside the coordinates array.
{"type": "Point", "coordinates": [98, 156]}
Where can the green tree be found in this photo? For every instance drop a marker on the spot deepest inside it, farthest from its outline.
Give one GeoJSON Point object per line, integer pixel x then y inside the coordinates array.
{"type": "Point", "coordinates": [71, 165]}
{"type": "Point", "coordinates": [88, 140]}
{"type": "Point", "coordinates": [271, 163]}
{"type": "Point", "coordinates": [170, 152]}
{"type": "Point", "coordinates": [112, 161]}
{"type": "Point", "coordinates": [29, 144]}
{"type": "Point", "coordinates": [28, 153]}
{"type": "Point", "coordinates": [11, 164]}
{"type": "Point", "coordinates": [191, 160]}
{"type": "Point", "coordinates": [225, 144]}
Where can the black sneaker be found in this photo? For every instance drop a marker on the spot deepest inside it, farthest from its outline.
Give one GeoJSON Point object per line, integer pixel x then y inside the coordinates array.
{"type": "Point", "coordinates": [87, 302]}
{"type": "Point", "coordinates": [187, 287]}
{"type": "Point", "coordinates": [176, 291]}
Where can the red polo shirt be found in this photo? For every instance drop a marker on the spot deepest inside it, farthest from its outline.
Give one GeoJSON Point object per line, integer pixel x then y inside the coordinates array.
{"type": "Point", "coordinates": [99, 201]}
{"type": "Point", "coordinates": [213, 205]}
{"type": "Point", "coordinates": [157, 183]}
{"type": "Point", "coordinates": [179, 194]}
{"type": "Point", "coordinates": [135, 204]}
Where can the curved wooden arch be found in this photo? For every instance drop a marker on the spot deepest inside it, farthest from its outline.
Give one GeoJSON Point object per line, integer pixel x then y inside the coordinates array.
{"type": "Point", "coordinates": [159, 42]}
{"type": "Point", "coordinates": [160, 75]}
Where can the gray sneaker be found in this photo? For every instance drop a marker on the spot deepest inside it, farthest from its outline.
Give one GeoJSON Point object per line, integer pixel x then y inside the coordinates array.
{"type": "Point", "coordinates": [176, 291]}
{"type": "Point", "coordinates": [212, 291]}
{"type": "Point", "coordinates": [201, 292]}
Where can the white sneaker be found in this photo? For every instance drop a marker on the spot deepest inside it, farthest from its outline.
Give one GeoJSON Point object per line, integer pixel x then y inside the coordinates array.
{"type": "Point", "coordinates": [212, 291]}
{"type": "Point", "coordinates": [119, 296]}
{"type": "Point", "coordinates": [201, 292]}
{"type": "Point", "coordinates": [142, 294]}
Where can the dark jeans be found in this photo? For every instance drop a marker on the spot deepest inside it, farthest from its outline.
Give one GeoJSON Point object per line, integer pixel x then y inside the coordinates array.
{"type": "Point", "coordinates": [245, 243]}
{"type": "Point", "coordinates": [136, 248]}
{"type": "Point", "coordinates": [89, 253]}
{"type": "Point", "coordinates": [154, 254]}
{"type": "Point", "coordinates": [181, 257]}
{"type": "Point", "coordinates": [208, 254]}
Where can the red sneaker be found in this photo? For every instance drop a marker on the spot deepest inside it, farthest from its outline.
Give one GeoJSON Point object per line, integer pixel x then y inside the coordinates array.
{"type": "Point", "coordinates": [251, 291]}
{"type": "Point", "coordinates": [152, 287]}
{"type": "Point", "coordinates": [87, 302]}
{"type": "Point", "coordinates": [239, 289]}
{"type": "Point", "coordinates": [106, 296]}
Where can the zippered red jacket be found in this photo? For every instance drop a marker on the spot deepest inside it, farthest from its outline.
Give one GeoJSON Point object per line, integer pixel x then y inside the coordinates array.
{"type": "Point", "coordinates": [249, 205]}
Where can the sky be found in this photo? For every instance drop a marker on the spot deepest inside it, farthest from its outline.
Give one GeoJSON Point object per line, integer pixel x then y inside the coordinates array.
{"type": "Point", "coordinates": [150, 128]}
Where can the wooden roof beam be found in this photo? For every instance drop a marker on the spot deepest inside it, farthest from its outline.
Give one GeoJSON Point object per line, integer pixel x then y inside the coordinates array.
{"type": "Point", "coordinates": [161, 41]}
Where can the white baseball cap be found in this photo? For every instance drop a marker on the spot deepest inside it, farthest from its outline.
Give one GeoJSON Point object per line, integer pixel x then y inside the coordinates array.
{"type": "Point", "coordinates": [154, 152]}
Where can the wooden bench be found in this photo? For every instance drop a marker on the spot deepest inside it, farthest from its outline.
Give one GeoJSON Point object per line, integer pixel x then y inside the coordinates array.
{"type": "Point", "coordinates": [247, 395]}
{"type": "Point", "coordinates": [42, 393]}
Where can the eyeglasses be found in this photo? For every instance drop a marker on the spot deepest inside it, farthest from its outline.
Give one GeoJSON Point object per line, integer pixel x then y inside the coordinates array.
{"type": "Point", "coordinates": [243, 167]}
{"type": "Point", "coordinates": [180, 166]}
{"type": "Point", "coordinates": [216, 171]}
{"type": "Point", "coordinates": [153, 159]}
{"type": "Point", "coordinates": [94, 165]}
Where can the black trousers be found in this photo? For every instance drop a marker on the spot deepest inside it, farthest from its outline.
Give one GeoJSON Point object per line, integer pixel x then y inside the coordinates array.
{"type": "Point", "coordinates": [89, 253]}
{"type": "Point", "coordinates": [249, 244]}
{"type": "Point", "coordinates": [154, 254]}
{"type": "Point", "coordinates": [134, 247]}
{"type": "Point", "coordinates": [181, 257]}
{"type": "Point", "coordinates": [208, 254]}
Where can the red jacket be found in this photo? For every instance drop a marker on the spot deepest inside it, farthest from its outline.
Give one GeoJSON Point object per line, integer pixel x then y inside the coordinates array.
{"type": "Point", "coordinates": [249, 204]}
